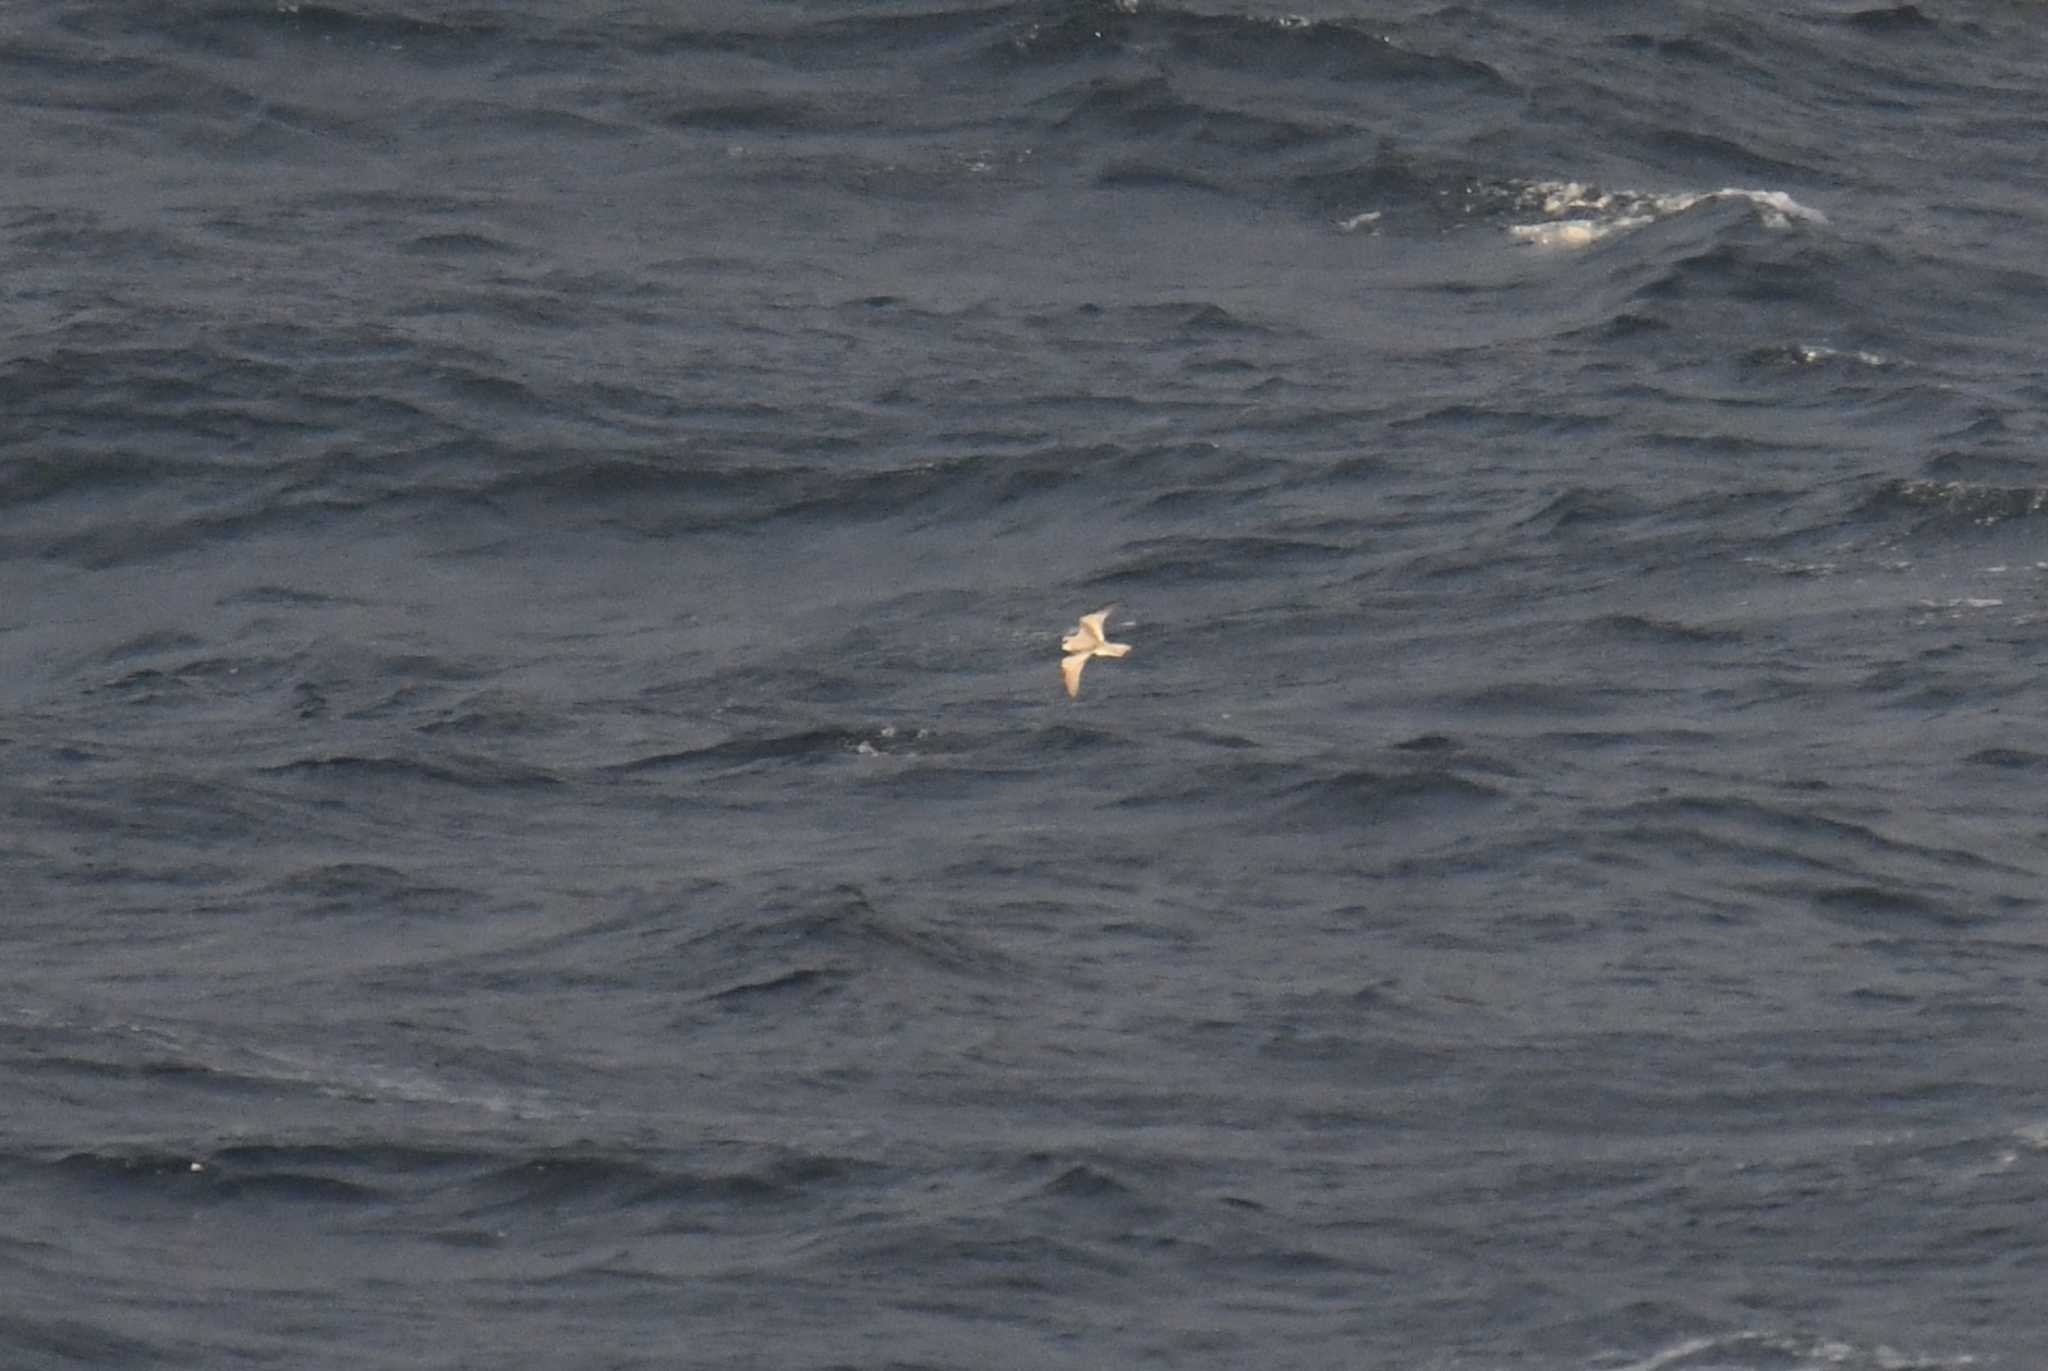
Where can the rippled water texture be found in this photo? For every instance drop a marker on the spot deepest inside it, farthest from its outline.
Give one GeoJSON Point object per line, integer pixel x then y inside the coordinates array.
{"type": "Point", "coordinates": [539, 820]}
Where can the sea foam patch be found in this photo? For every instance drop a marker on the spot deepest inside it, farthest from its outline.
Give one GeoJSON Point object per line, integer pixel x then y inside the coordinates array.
{"type": "Point", "coordinates": [1576, 215]}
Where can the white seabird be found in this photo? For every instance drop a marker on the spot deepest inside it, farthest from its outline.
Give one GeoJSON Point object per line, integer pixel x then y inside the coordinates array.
{"type": "Point", "coordinates": [1086, 641]}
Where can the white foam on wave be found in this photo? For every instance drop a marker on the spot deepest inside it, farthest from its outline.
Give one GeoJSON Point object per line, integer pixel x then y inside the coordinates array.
{"type": "Point", "coordinates": [1813, 354]}
{"type": "Point", "coordinates": [1576, 215]}
{"type": "Point", "coordinates": [1748, 1346]}
{"type": "Point", "coordinates": [1574, 233]}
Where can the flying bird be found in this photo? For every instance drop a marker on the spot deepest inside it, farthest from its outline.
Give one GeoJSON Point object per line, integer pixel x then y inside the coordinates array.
{"type": "Point", "coordinates": [1084, 642]}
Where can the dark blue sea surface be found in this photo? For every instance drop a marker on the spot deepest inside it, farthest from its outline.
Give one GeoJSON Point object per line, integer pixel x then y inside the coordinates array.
{"type": "Point", "coordinates": [540, 825]}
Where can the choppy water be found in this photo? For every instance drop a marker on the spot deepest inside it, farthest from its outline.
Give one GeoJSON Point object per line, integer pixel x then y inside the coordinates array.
{"type": "Point", "coordinates": [538, 821]}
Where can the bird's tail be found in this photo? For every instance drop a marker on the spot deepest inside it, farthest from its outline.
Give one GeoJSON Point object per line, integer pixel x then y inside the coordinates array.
{"type": "Point", "coordinates": [1114, 649]}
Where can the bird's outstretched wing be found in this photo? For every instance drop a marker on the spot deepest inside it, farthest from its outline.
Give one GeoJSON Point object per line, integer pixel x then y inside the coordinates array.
{"type": "Point", "coordinates": [1070, 667]}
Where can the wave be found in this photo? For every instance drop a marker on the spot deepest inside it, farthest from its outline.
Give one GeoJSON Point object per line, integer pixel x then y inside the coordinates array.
{"type": "Point", "coordinates": [816, 940]}
{"type": "Point", "coordinates": [1574, 215]}
{"type": "Point", "coordinates": [1936, 504]}
{"type": "Point", "coordinates": [465, 772]}
{"type": "Point", "coordinates": [439, 1183]}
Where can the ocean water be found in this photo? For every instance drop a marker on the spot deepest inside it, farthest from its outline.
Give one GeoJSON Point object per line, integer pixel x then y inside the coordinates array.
{"type": "Point", "coordinates": [539, 823]}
